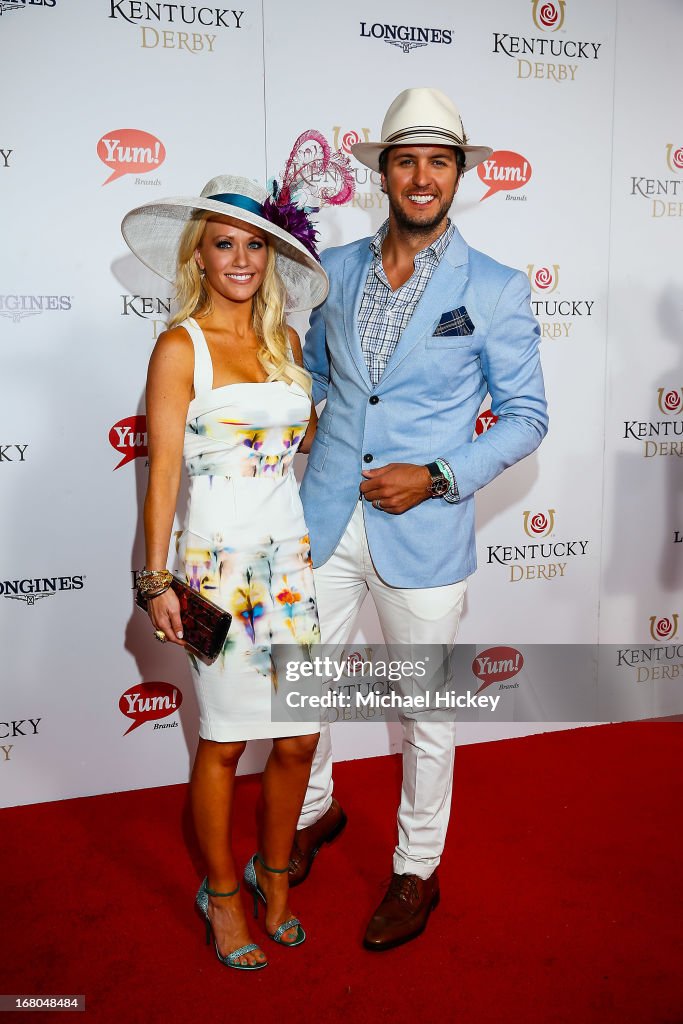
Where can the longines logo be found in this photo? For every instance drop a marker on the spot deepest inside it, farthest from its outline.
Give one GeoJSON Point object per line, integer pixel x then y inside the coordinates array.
{"type": "Point", "coordinates": [504, 171]}
{"type": "Point", "coordinates": [670, 403]}
{"type": "Point", "coordinates": [129, 438]}
{"type": "Point", "coordinates": [15, 307]}
{"type": "Point", "coordinates": [13, 452]}
{"type": "Point", "coordinates": [649, 188]}
{"type": "Point", "coordinates": [548, 17]}
{"type": "Point", "coordinates": [532, 561]}
{"type": "Point", "coordinates": [180, 17]}
{"type": "Point", "coordinates": [665, 628]}
{"type": "Point", "coordinates": [8, 6]}
{"type": "Point", "coordinates": [544, 281]}
{"type": "Point", "coordinates": [5, 154]}
{"type": "Point", "coordinates": [32, 590]}
{"type": "Point", "coordinates": [407, 37]}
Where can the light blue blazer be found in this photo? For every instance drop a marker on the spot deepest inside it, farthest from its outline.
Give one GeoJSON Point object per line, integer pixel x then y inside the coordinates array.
{"type": "Point", "coordinates": [429, 398]}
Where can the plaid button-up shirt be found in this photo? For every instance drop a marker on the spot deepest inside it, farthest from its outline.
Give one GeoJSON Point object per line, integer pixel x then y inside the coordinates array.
{"type": "Point", "coordinates": [384, 314]}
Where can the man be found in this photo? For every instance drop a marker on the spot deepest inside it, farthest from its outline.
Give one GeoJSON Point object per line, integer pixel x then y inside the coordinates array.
{"type": "Point", "coordinates": [416, 329]}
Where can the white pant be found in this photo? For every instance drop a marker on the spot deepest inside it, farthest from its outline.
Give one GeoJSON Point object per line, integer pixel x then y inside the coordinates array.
{"type": "Point", "coordinates": [422, 616]}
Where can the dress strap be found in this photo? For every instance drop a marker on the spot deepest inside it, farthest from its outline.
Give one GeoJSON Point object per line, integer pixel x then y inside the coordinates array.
{"type": "Point", "coordinates": [203, 367]}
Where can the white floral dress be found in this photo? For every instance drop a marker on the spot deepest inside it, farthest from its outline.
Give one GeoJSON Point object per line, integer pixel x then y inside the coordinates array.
{"type": "Point", "coordinates": [245, 544]}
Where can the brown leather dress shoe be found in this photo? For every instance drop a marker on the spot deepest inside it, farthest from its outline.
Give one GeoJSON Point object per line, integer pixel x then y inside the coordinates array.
{"type": "Point", "coordinates": [403, 913]}
{"type": "Point", "coordinates": [307, 842]}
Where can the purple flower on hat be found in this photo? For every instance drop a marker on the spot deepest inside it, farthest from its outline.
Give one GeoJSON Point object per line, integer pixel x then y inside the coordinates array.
{"type": "Point", "coordinates": [281, 211]}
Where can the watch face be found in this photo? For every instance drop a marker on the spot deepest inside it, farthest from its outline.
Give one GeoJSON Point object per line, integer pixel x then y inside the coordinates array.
{"type": "Point", "coordinates": [439, 486]}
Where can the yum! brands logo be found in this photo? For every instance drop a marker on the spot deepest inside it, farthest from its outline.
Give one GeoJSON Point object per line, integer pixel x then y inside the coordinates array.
{"type": "Point", "coordinates": [557, 316]}
{"type": "Point", "coordinates": [545, 558]}
{"type": "Point", "coordinates": [664, 628]}
{"type": "Point", "coordinates": [504, 171]}
{"type": "Point", "coordinates": [128, 437]}
{"type": "Point", "coordinates": [497, 665]}
{"type": "Point", "coordinates": [485, 420]}
{"type": "Point", "coordinates": [548, 17]}
{"type": "Point", "coordinates": [660, 437]}
{"type": "Point", "coordinates": [148, 702]}
{"type": "Point", "coordinates": [130, 151]}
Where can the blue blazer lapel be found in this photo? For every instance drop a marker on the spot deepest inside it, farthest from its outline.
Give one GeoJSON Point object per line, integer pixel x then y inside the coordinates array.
{"type": "Point", "coordinates": [443, 292]}
{"type": "Point", "coordinates": [355, 273]}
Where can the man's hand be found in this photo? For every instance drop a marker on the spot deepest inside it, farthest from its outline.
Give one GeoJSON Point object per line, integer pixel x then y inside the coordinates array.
{"type": "Point", "coordinates": [398, 486]}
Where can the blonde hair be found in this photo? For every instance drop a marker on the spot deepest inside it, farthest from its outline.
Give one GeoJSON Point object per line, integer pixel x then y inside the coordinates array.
{"type": "Point", "coordinates": [268, 305]}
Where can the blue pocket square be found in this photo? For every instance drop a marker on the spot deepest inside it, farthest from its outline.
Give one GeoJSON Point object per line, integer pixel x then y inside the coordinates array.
{"type": "Point", "coordinates": [455, 322]}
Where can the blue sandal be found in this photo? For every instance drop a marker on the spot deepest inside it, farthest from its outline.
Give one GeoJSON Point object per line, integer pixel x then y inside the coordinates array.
{"type": "Point", "coordinates": [258, 894]}
{"type": "Point", "coordinates": [231, 959]}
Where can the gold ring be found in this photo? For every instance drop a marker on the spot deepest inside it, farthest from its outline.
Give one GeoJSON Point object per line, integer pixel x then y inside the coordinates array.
{"type": "Point", "coordinates": [377, 503]}
{"type": "Point", "coordinates": [160, 635]}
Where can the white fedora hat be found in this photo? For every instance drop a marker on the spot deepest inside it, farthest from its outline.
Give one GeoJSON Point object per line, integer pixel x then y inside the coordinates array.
{"type": "Point", "coordinates": [153, 233]}
{"type": "Point", "coordinates": [421, 117]}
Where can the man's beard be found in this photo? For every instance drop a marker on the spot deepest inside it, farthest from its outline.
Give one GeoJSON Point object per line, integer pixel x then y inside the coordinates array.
{"type": "Point", "coordinates": [419, 227]}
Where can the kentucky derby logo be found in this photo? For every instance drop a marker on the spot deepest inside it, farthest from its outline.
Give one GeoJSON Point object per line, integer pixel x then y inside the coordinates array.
{"type": "Point", "coordinates": [548, 17]}
{"type": "Point", "coordinates": [663, 629]}
{"type": "Point", "coordinates": [539, 524]}
{"type": "Point", "coordinates": [543, 280]}
{"type": "Point", "coordinates": [674, 158]}
{"type": "Point", "coordinates": [670, 402]}
{"type": "Point", "coordinates": [344, 140]}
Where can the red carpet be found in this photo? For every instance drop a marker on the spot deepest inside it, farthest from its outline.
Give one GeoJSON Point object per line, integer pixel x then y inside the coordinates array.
{"type": "Point", "coordinates": [561, 898]}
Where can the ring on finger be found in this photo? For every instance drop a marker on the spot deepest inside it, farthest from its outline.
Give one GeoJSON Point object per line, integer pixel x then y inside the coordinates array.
{"type": "Point", "coordinates": [160, 636]}
{"type": "Point", "coordinates": [377, 503]}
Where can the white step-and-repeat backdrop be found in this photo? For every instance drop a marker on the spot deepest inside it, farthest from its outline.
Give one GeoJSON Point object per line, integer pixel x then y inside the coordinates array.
{"type": "Point", "coordinates": [109, 103]}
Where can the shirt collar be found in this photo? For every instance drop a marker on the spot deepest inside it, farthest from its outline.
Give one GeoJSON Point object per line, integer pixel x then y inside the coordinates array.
{"type": "Point", "coordinates": [433, 252]}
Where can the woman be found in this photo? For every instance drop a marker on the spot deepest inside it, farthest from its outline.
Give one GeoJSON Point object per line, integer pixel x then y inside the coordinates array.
{"type": "Point", "coordinates": [226, 387]}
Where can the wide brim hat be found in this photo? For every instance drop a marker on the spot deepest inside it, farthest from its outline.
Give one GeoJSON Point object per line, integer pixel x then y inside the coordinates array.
{"type": "Point", "coordinates": [421, 117]}
{"type": "Point", "coordinates": [152, 231]}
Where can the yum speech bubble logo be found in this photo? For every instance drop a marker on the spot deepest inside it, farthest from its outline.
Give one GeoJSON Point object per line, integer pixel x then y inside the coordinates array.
{"type": "Point", "coordinates": [130, 151]}
{"type": "Point", "coordinates": [496, 664]}
{"type": "Point", "coordinates": [670, 402]}
{"type": "Point", "coordinates": [664, 628]}
{"type": "Point", "coordinates": [485, 421]}
{"type": "Point", "coordinates": [543, 280]}
{"type": "Point", "coordinates": [129, 438]}
{"type": "Point", "coordinates": [504, 171]}
{"type": "Point", "coordinates": [147, 702]}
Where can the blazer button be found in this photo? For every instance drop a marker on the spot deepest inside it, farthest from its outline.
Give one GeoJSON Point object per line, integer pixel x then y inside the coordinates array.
{"type": "Point", "coordinates": [367, 458]}
{"type": "Point", "coordinates": [373, 399]}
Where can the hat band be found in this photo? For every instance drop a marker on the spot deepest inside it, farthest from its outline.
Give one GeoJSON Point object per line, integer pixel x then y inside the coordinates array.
{"type": "Point", "coordinates": [428, 132]}
{"type": "Point", "coordinates": [235, 199]}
